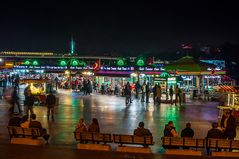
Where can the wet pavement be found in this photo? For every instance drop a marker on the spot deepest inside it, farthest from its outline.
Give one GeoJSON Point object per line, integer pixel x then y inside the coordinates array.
{"type": "Point", "coordinates": [116, 117]}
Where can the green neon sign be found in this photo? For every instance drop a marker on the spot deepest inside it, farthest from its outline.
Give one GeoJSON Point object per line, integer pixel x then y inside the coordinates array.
{"type": "Point", "coordinates": [27, 62]}
{"type": "Point", "coordinates": [63, 63]}
{"type": "Point", "coordinates": [120, 62]}
{"type": "Point", "coordinates": [140, 62]}
{"type": "Point", "coordinates": [74, 62]}
{"type": "Point", "coordinates": [35, 62]}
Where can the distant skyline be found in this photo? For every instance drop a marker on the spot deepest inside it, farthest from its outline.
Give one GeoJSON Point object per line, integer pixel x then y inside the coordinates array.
{"type": "Point", "coordinates": [134, 27]}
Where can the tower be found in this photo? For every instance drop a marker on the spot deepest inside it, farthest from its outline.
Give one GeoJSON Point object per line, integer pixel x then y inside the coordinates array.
{"type": "Point", "coordinates": [72, 46]}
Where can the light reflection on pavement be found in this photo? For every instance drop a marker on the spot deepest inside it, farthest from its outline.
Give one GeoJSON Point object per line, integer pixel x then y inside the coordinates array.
{"type": "Point", "coordinates": [115, 117]}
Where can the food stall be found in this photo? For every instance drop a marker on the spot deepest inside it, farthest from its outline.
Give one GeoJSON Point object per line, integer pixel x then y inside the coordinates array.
{"type": "Point", "coordinates": [38, 89]}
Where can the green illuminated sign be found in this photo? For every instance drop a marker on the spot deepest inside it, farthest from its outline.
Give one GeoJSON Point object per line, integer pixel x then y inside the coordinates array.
{"type": "Point", "coordinates": [120, 62]}
{"type": "Point", "coordinates": [27, 62]}
{"type": "Point", "coordinates": [35, 62]}
{"type": "Point", "coordinates": [140, 62]}
{"type": "Point", "coordinates": [74, 62]}
{"type": "Point", "coordinates": [63, 63]}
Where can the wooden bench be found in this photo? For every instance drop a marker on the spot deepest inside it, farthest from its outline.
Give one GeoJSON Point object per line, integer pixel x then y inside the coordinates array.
{"type": "Point", "coordinates": [91, 141]}
{"type": "Point", "coordinates": [26, 136]}
{"type": "Point", "coordinates": [218, 144]}
{"type": "Point", "coordinates": [144, 141]}
{"type": "Point", "coordinates": [173, 145]}
{"type": "Point", "coordinates": [225, 154]}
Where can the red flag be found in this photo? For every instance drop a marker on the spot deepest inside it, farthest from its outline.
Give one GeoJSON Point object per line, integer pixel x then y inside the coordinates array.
{"type": "Point", "coordinates": [187, 46]}
{"type": "Point", "coordinates": [96, 65]}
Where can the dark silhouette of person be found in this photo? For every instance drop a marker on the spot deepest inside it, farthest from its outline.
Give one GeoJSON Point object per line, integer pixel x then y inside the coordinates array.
{"type": "Point", "coordinates": [214, 133]}
{"type": "Point", "coordinates": [15, 101]}
{"type": "Point", "coordinates": [15, 120]}
{"type": "Point", "coordinates": [188, 131]}
{"type": "Point", "coordinates": [36, 124]}
{"type": "Point", "coordinates": [229, 125]}
{"type": "Point", "coordinates": [141, 131]}
{"type": "Point", "coordinates": [94, 126]}
{"type": "Point", "coordinates": [137, 89]}
{"type": "Point", "coordinates": [170, 130]}
{"type": "Point", "coordinates": [50, 102]}
{"type": "Point", "coordinates": [171, 94]}
{"type": "Point", "coordinates": [147, 92]}
{"type": "Point", "coordinates": [155, 92]}
{"type": "Point", "coordinates": [29, 102]}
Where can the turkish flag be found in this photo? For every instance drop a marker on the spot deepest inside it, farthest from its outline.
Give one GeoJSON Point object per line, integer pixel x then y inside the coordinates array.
{"type": "Point", "coordinates": [96, 65]}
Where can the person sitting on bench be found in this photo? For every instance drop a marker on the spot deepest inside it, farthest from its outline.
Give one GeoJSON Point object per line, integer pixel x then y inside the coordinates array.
{"type": "Point", "coordinates": [36, 124]}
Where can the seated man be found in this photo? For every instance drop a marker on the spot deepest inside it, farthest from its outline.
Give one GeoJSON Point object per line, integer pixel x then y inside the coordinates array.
{"type": "Point", "coordinates": [214, 133]}
{"type": "Point", "coordinates": [15, 120]}
{"type": "Point", "coordinates": [36, 124]}
{"type": "Point", "coordinates": [188, 131]}
{"type": "Point", "coordinates": [141, 131]}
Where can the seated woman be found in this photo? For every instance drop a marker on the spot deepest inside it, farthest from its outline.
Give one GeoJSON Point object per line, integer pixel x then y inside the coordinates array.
{"type": "Point", "coordinates": [94, 126]}
{"type": "Point", "coordinates": [81, 127]}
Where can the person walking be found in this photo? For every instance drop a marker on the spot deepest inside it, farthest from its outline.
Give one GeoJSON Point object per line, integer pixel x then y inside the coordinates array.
{"type": "Point", "coordinates": [177, 95]}
{"type": "Point", "coordinates": [143, 88]}
{"type": "Point", "coordinates": [137, 89]}
{"type": "Point", "coordinates": [147, 92]}
{"type": "Point", "coordinates": [50, 103]}
{"type": "Point", "coordinates": [29, 102]}
{"type": "Point", "coordinates": [171, 94]}
{"type": "Point", "coordinates": [15, 101]}
{"type": "Point", "coordinates": [155, 92]}
{"type": "Point", "coordinates": [158, 94]}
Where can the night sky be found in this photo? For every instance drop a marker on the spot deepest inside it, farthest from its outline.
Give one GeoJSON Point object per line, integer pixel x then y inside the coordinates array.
{"type": "Point", "coordinates": [99, 27]}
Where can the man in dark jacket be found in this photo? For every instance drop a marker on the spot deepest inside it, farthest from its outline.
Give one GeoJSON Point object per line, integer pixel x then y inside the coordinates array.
{"type": "Point", "coordinates": [36, 124]}
{"type": "Point", "coordinates": [50, 103]}
{"type": "Point", "coordinates": [15, 121]}
{"type": "Point", "coordinates": [214, 133]}
{"type": "Point", "coordinates": [188, 131]}
{"type": "Point", "coordinates": [141, 131]}
{"type": "Point", "coordinates": [29, 102]}
{"type": "Point", "coordinates": [229, 125]}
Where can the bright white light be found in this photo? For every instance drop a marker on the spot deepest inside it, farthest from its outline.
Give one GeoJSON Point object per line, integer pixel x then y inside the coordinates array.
{"type": "Point", "coordinates": [1, 60]}
{"type": "Point", "coordinates": [209, 69]}
{"type": "Point", "coordinates": [142, 75]}
{"type": "Point", "coordinates": [134, 74]}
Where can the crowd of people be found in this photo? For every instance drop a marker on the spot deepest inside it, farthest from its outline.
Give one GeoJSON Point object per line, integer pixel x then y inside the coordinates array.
{"type": "Point", "coordinates": [146, 89]}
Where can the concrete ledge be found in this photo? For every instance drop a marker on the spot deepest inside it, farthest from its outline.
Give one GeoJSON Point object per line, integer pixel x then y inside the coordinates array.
{"type": "Point", "coordinates": [225, 154]}
{"type": "Point", "coordinates": [27, 141]}
{"type": "Point", "coordinates": [131, 149]}
{"type": "Point", "coordinates": [183, 152]}
{"type": "Point", "coordinates": [97, 147]}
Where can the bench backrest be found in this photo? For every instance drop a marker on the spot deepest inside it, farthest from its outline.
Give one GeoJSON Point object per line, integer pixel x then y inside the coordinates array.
{"type": "Point", "coordinates": [24, 132]}
{"type": "Point", "coordinates": [132, 139]}
{"type": "Point", "coordinates": [92, 136]}
{"type": "Point", "coordinates": [222, 143]}
{"type": "Point", "coordinates": [183, 142]}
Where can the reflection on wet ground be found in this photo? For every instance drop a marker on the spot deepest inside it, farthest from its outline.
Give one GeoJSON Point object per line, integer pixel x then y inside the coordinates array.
{"type": "Point", "coordinates": [116, 117]}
